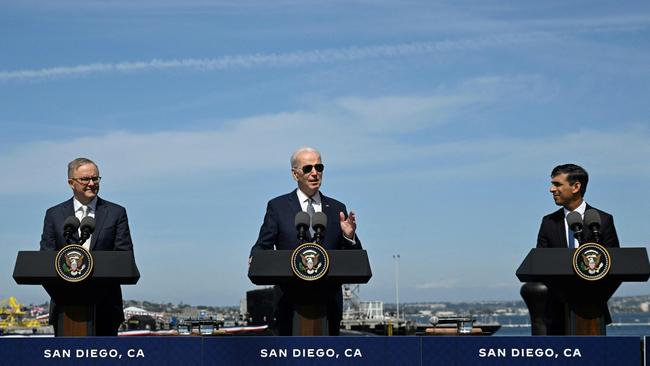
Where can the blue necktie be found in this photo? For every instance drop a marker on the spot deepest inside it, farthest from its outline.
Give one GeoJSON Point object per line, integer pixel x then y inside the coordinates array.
{"type": "Point", "coordinates": [571, 239]}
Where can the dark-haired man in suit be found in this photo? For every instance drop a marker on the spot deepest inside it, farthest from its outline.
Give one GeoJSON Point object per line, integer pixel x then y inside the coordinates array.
{"type": "Point", "coordinates": [111, 233]}
{"type": "Point", "coordinates": [278, 231]}
{"type": "Point", "coordinates": [568, 187]}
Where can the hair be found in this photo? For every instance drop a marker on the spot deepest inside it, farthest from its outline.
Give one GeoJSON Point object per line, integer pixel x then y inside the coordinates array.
{"type": "Point", "coordinates": [575, 173]}
{"type": "Point", "coordinates": [76, 163]}
{"type": "Point", "coordinates": [294, 156]}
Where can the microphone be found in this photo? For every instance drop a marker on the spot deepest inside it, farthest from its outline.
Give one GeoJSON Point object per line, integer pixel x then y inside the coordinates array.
{"type": "Point", "coordinates": [319, 223]}
{"type": "Point", "coordinates": [592, 221]}
{"type": "Point", "coordinates": [302, 225]}
{"type": "Point", "coordinates": [70, 226]}
{"type": "Point", "coordinates": [87, 228]}
{"type": "Point", "coordinates": [575, 223]}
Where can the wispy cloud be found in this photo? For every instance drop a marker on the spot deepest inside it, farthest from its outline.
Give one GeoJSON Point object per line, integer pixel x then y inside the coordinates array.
{"type": "Point", "coordinates": [623, 22]}
{"type": "Point", "coordinates": [444, 283]}
{"type": "Point", "coordinates": [278, 59]}
{"type": "Point", "coordinates": [401, 114]}
{"type": "Point", "coordinates": [363, 128]}
{"type": "Point", "coordinates": [463, 283]}
{"type": "Point", "coordinates": [344, 135]}
{"type": "Point", "coordinates": [157, 4]}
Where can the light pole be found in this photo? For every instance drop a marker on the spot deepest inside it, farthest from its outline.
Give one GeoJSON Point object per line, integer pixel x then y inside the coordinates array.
{"type": "Point", "coordinates": [396, 258]}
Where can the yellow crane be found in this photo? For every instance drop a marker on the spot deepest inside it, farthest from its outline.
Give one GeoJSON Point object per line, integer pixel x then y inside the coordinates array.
{"type": "Point", "coordinates": [12, 315]}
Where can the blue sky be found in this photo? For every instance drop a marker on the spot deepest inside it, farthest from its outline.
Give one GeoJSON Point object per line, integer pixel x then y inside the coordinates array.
{"type": "Point", "coordinates": [439, 123]}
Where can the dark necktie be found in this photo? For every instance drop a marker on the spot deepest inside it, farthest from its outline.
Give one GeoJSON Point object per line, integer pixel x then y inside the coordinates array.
{"type": "Point", "coordinates": [311, 212]}
{"type": "Point", "coordinates": [85, 211]}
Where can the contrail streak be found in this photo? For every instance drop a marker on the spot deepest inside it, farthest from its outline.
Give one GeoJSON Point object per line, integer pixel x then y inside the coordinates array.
{"type": "Point", "coordinates": [277, 59]}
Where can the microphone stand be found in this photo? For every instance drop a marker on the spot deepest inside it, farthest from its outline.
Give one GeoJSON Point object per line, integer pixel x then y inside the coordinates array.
{"type": "Point", "coordinates": [85, 234]}
{"type": "Point", "coordinates": [596, 233]}
{"type": "Point", "coordinates": [318, 235]}
{"type": "Point", "coordinates": [578, 234]}
{"type": "Point", "coordinates": [302, 238]}
{"type": "Point", "coordinates": [68, 237]}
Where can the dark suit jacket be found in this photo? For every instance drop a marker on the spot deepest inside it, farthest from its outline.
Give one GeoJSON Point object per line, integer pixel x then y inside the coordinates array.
{"type": "Point", "coordinates": [552, 234]}
{"type": "Point", "coordinates": [111, 233]}
{"type": "Point", "coordinates": [278, 231]}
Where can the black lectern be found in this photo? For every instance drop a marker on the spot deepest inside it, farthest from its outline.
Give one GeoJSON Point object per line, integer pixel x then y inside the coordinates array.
{"type": "Point", "coordinates": [585, 300]}
{"type": "Point", "coordinates": [273, 267]}
{"type": "Point", "coordinates": [76, 300]}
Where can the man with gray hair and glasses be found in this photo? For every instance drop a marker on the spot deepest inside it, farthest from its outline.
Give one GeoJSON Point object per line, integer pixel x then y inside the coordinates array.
{"type": "Point", "coordinates": [278, 231]}
{"type": "Point", "coordinates": [111, 233]}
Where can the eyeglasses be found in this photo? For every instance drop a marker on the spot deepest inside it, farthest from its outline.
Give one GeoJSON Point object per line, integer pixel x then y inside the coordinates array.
{"type": "Point", "coordinates": [307, 168]}
{"type": "Point", "coordinates": [86, 180]}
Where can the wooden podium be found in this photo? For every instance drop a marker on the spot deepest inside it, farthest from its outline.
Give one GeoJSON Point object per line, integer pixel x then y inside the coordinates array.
{"type": "Point", "coordinates": [76, 301]}
{"type": "Point", "coordinates": [586, 301]}
{"type": "Point", "coordinates": [273, 267]}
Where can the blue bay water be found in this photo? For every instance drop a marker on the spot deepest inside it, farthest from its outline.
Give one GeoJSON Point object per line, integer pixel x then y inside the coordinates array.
{"type": "Point", "coordinates": [629, 324]}
{"type": "Point", "coordinates": [622, 330]}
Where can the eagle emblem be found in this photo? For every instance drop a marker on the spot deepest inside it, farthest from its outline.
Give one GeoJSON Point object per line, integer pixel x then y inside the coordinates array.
{"type": "Point", "coordinates": [309, 261]}
{"type": "Point", "coordinates": [591, 261]}
{"type": "Point", "coordinates": [73, 263]}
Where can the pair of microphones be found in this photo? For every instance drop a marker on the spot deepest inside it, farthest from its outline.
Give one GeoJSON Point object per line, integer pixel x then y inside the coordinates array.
{"type": "Point", "coordinates": [318, 222]}
{"type": "Point", "coordinates": [591, 222]}
{"type": "Point", "coordinates": [72, 224]}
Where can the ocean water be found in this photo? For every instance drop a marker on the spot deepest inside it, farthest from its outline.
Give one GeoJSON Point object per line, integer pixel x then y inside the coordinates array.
{"type": "Point", "coordinates": [629, 324]}
{"type": "Point", "coordinates": [622, 330]}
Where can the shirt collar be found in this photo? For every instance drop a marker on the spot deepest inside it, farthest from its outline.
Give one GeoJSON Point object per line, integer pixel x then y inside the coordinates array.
{"type": "Point", "coordinates": [580, 209]}
{"type": "Point", "coordinates": [302, 197]}
{"type": "Point", "coordinates": [92, 204]}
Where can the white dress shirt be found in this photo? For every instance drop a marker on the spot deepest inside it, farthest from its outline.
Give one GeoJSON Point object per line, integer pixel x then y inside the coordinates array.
{"type": "Point", "coordinates": [581, 210]}
{"type": "Point", "coordinates": [304, 201]}
{"type": "Point", "coordinates": [78, 212]}
{"type": "Point", "coordinates": [318, 206]}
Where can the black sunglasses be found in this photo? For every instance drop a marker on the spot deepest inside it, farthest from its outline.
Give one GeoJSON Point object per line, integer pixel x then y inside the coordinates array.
{"type": "Point", "coordinates": [307, 168]}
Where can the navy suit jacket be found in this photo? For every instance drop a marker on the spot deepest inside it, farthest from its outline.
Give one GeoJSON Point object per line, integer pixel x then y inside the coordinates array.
{"type": "Point", "coordinates": [111, 227]}
{"type": "Point", "coordinates": [552, 234]}
{"type": "Point", "coordinates": [111, 233]}
{"type": "Point", "coordinates": [278, 230]}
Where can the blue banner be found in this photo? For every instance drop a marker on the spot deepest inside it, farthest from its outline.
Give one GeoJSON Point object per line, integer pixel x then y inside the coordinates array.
{"type": "Point", "coordinates": [590, 351]}
{"type": "Point", "coordinates": [101, 351]}
{"type": "Point", "coordinates": [646, 354]}
{"type": "Point", "coordinates": [313, 351]}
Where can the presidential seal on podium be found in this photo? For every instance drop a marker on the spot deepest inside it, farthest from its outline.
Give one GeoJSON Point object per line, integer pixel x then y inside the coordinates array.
{"type": "Point", "coordinates": [310, 262]}
{"type": "Point", "coordinates": [73, 263]}
{"type": "Point", "coordinates": [591, 261]}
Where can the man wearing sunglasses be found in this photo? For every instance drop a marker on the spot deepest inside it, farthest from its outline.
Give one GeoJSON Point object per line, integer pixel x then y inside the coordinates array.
{"type": "Point", "coordinates": [111, 233]}
{"type": "Point", "coordinates": [278, 231]}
